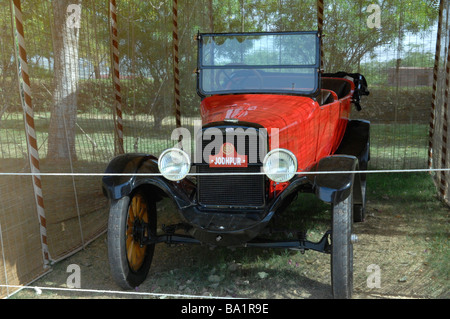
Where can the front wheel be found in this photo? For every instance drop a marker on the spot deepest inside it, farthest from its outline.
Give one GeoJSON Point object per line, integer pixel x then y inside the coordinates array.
{"type": "Point", "coordinates": [130, 219]}
{"type": "Point", "coordinates": [342, 249]}
{"type": "Point", "coordinates": [359, 210]}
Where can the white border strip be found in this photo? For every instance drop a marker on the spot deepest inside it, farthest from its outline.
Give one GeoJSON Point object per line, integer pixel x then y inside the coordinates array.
{"type": "Point", "coordinates": [419, 170]}
{"type": "Point", "coordinates": [38, 289]}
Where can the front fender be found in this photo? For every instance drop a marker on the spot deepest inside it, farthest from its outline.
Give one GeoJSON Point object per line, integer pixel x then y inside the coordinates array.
{"type": "Point", "coordinates": [117, 186]}
{"type": "Point", "coordinates": [334, 188]}
{"type": "Point", "coordinates": [135, 166]}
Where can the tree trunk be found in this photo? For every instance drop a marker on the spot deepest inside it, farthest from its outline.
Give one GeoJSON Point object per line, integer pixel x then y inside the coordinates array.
{"type": "Point", "coordinates": [61, 138]}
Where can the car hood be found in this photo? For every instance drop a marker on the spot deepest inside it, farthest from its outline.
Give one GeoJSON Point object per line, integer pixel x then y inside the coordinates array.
{"type": "Point", "coordinates": [258, 108]}
{"type": "Point", "coordinates": [283, 112]}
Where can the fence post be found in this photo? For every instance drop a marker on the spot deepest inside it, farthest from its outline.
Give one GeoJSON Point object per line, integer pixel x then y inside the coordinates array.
{"type": "Point", "coordinates": [119, 148]}
{"type": "Point", "coordinates": [176, 70]}
{"type": "Point", "coordinates": [211, 15]}
{"type": "Point", "coordinates": [320, 29]}
{"type": "Point", "coordinates": [443, 187]}
{"type": "Point", "coordinates": [437, 58]}
{"type": "Point", "coordinates": [30, 132]}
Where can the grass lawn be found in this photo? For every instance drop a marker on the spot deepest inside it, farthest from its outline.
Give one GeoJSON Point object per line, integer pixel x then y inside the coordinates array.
{"type": "Point", "coordinates": [393, 146]}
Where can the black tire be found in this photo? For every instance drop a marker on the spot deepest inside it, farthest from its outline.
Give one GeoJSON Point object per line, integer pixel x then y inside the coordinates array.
{"type": "Point", "coordinates": [121, 243]}
{"type": "Point", "coordinates": [342, 249]}
{"type": "Point", "coordinates": [359, 210]}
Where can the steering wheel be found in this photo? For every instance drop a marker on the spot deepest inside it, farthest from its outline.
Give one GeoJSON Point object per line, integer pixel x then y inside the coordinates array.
{"type": "Point", "coordinates": [235, 79]}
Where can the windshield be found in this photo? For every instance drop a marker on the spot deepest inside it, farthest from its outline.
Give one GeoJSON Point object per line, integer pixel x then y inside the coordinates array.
{"type": "Point", "coordinates": [259, 62]}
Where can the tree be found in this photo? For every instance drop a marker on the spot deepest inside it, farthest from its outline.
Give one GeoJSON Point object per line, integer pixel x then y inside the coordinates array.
{"type": "Point", "coordinates": [8, 74]}
{"type": "Point", "coordinates": [145, 45]}
{"type": "Point", "coordinates": [347, 36]}
{"type": "Point", "coordinates": [61, 138]}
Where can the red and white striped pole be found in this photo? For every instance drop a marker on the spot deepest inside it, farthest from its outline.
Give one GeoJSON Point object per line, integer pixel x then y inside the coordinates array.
{"type": "Point", "coordinates": [211, 16]}
{"type": "Point", "coordinates": [437, 58]}
{"type": "Point", "coordinates": [176, 70]}
{"type": "Point", "coordinates": [116, 78]}
{"type": "Point", "coordinates": [443, 180]}
{"type": "Point", "coordinates": [320, 29]}
{"type": "Point", "coordinates": [33, 155]}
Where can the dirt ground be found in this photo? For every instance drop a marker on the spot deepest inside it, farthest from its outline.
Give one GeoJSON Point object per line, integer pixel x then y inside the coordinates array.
{"type": "Point", "coordinates": [402, 251]}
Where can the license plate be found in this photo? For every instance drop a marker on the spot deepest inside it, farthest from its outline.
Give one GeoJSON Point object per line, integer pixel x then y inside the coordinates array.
{"type": "Point", "coordinates": [228, 157]}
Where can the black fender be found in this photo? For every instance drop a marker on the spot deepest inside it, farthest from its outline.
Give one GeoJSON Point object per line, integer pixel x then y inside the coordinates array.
{"type": "Point", "coordinates": [334, 188]}
{"type": "Point", "coordinates": [129, 166]}
{"type": "Point", "coordinates": [356, 142]}
{"type": "Point", "coordinates": [353, 154]}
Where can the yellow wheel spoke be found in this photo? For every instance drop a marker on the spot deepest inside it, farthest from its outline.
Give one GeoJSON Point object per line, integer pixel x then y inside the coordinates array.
{"type": "Point", "coordinates": [138, 253]}
{"type": "Point", "coordinates": [129, 232]}
{"type": "Point", "coordinates": [130, 252]}
{"type": "Point", "coordinates": [130, 214]}
{"type": "Point", "coordinates": [136, 212]}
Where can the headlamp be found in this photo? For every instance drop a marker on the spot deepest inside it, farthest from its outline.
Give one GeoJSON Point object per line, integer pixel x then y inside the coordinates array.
{"type": "Point", "coordinates": [174, 164]}
{"type": "Point", "coordinates": [280, 165]}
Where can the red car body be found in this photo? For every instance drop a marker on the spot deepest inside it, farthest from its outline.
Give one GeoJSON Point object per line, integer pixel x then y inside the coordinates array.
{"type": "Point", "coordinates": [224, 198]}
{"type": "Point", "coordinates": [310, 130]}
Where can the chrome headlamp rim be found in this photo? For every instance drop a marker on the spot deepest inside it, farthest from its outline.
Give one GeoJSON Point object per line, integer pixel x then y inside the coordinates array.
{"type": "Point", "coordinates": [278, 178]}
{"type": "Point", "coordinates": [186, 162]}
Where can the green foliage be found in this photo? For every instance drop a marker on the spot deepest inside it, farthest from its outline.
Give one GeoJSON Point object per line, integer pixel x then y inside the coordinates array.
{"type": "Point", "coordinates": [95, 94]}
{"type": "Point", "coordinates": [376, 72]}
{"type": "Point", "coordinates": [348, 20]}
{"type": "Point", "coordinates": [145, 39]}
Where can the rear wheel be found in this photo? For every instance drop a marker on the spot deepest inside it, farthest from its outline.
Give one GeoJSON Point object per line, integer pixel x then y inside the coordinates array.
{"type": "Point", "coordinates": [131, 218]}
{"type": "Point", "coordinates": [342, 249]}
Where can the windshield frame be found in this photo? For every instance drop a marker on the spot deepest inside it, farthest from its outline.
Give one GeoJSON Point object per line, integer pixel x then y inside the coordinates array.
{"type": "Point", "coordinates": [201, 67]}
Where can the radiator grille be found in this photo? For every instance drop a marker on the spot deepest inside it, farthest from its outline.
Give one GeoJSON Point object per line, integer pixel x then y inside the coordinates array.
{"type": "Point", "coordinates": [233, 190]}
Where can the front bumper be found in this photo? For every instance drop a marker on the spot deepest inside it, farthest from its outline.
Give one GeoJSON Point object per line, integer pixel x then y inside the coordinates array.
{"type": "Point", "coordinates": [235, 227]}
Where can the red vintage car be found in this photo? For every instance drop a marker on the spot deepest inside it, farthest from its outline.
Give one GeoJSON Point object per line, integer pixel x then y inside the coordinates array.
{"type": "Point", "coordinates": [273, 125]}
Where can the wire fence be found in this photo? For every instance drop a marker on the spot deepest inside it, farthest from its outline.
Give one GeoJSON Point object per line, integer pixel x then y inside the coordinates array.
{"type": "Point", "coordinates": [77, 130]}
